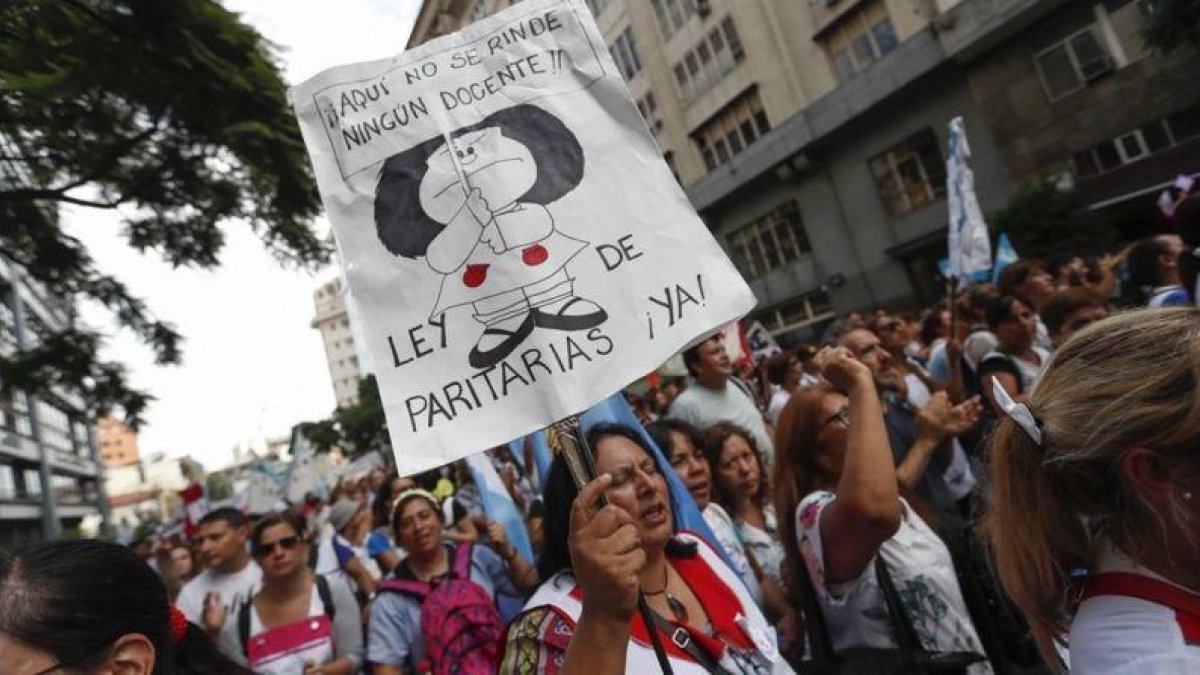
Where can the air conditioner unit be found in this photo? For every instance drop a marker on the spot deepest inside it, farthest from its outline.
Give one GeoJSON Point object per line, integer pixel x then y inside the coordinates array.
{"type": "Point", "coordinates": [703, 8]}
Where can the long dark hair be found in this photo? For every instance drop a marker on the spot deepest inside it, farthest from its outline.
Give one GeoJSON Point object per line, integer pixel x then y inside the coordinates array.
{"type": "Point", "coordinates": [74, 599]}
{"type": "Point", "coordinates": [714, 442]}
{"type": "Point", "coordinates": [560, 492]}
{"type": "Point", "coordinates": [406, 230]}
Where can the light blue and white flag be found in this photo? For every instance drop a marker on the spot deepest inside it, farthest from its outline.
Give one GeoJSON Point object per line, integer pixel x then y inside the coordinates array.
{"type": "Point", "coordinates": [1005, 256]}
{"type": "Point", "coordinates": [968, 245]}
{"type": "Point", "coordinates": [498, 505]}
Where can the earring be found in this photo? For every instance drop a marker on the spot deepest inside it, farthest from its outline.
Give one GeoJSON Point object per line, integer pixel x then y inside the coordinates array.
{"type": "Point", "coordinates": [1187, 496]}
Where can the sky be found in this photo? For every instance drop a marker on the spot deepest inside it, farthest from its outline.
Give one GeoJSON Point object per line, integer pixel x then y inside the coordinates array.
{"type": "Point", "coordinates": [252, 364]}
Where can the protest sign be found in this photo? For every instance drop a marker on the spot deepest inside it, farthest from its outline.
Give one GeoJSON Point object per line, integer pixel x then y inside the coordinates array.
{"type": "Point", "coordinates": [762, 344]}
{"type": "Point", "coordinates": [516, 245]}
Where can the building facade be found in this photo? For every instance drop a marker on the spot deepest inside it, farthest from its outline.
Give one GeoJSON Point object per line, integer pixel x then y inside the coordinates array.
{"type": "Point", "coordinates": [50, 479]}
{"type": "Point", "coordinates": [333, 321]}
{"type": "Point", "coordinates": [117, 442]}
{"type": "Point", "coordinates": [811, 136]}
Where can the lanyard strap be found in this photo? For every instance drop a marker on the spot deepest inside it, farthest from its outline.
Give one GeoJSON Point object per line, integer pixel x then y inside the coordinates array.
{"type": "Point", "coordinates": [1185, 605]}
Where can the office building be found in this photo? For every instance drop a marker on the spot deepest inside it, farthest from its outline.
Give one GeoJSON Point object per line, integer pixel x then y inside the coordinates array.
{"type": "Point", "coordinates": [49, 476]}
{"type": "Point", "coordinates": [811, 136]}
{"type": "Point", "coordinates": [333, 320]}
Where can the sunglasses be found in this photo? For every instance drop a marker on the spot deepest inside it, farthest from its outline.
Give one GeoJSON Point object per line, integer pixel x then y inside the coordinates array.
{"type": "Point", "coordinates": [287, 543]}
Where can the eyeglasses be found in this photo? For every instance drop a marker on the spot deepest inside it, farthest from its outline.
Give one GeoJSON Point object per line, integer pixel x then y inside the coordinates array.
{"type": "Point", "coordinates": [842, 417]}
{"type": "Point", "coordinates": [889, 326]}
{"type": "Point", "coordinates": [287, 543]}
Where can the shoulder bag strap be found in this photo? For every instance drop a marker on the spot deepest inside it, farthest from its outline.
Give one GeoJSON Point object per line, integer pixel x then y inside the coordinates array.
{"type": "Point", "coordinates": [326, 596]}
{"type": "Point", "coordinates": [814, 619]}
{"type": "Point", "coordinates": [243, 626]}
{"type": "Point", "coordinates": [902, 629]}
{"type": "Point", "coordinates": [682, 639]}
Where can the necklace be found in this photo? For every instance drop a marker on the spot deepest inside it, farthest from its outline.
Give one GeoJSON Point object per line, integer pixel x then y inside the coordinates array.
{"type": "Point", "coordinates": [673, 603]}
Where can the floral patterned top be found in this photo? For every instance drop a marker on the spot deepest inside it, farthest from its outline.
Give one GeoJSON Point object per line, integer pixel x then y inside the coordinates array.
{"type": "Point", "coordinates": [921, 567]}
{"type": "Point", "coordinates": [764, 545]}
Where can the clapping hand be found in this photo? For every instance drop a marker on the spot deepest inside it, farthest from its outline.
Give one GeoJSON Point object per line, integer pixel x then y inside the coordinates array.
{"type": "Point", "coordinates": [963, 417]}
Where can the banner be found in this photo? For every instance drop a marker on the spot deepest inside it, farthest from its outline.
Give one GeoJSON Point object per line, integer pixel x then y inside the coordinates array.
{"type": "Point", "coordinates": [517, 248]}
{"type": "Point", "coordinates": [762, 345]}
{"type": "Point", "coordinates": [968, 244]}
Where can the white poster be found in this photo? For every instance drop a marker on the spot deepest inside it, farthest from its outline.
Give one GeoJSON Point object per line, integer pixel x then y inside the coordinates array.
{"type": "Point", "coordinates": [762, 345]}
{"type": "Point", "coordinates": [517, 247]}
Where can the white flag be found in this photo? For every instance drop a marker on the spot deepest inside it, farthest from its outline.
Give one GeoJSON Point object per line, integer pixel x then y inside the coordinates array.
{"type": "Point", "coordinates": [968, 244]}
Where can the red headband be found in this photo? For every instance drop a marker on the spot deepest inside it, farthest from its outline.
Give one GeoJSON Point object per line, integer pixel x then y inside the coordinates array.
{"type": "Point", "coordinates": [179, 624]}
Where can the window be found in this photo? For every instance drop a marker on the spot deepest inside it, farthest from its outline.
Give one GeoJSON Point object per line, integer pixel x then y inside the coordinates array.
{"type": "Point", "coordinates": [770, 242]}
{"type": "Point", "coordinates": [8, 482]}
{"type": "Point", "coordinates": [648, 107]}
{"type": "Point", "coordinates": [709, 60]}
{"type": "Point", "coordinates": [598, 6]}
{"type": "Point", "coordinates": [858, 39]}
{"type": "Point", "coordinates": [1069, 65]}
{"type": "Point", "coordinates": [1137, 144]}
{"type": "Point", "coordinates": [912, 174]}
{"type": "Point", "coordinates": [732, 130]}
{"type": "Point", "coordinates": [732, 38]}
{"type": "Point", "coordinates": [624, 52]}
{"type": "Point", "coordinates": [795, 313]}
{"type": "Point", "coordinates": [33, 483]}
{"type": "Point", "coordinates": [673, 14]}
{"type": "Point", "coordinates": [479, 11]}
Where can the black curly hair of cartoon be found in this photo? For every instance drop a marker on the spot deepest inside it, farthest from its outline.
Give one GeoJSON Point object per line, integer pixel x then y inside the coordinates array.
{"type": "Point", "coordinates": [407, 231]}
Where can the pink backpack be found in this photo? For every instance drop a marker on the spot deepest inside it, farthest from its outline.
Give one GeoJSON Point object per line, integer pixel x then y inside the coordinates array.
{"type": "Point", "coordinates": [460, 624]}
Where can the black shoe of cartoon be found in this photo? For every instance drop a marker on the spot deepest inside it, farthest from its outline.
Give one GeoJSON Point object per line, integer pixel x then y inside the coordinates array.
{"type": "Point", "coordinates": [499, 340]}
{"type": "Point", "coordinates": [571, 313]}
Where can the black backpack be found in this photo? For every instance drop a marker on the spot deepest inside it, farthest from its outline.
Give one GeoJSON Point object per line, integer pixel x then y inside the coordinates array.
{"type": "Point", "coordinates": [243, 617]}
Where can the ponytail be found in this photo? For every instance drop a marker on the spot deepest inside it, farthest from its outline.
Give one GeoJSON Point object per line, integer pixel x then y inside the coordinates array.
{"type": "Point", "coordinates": [1036, 543]}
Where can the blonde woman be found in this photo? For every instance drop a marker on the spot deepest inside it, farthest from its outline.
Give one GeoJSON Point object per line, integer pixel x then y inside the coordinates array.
{"type": "Point", "coordinates": [1098, 474]}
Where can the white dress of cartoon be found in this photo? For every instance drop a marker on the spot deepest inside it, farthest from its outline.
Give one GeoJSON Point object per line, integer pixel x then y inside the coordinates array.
{"type": "Point", "coordinates": [502, 256]}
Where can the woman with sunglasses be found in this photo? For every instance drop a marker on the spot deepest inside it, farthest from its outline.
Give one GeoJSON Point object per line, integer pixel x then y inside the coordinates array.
{"type": "Point", "coordinates": [836, 485]}
{"type": "Point", "coordinates": [297, 622]}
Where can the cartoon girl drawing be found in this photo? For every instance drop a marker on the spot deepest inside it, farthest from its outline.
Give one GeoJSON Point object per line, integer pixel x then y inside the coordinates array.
{"type": "Point", "coordinates": [475, 209]}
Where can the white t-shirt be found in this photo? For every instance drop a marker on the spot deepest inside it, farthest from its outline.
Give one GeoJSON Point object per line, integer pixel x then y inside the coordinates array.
{"type": "Point", "coordinates": [1118, 635]}
{"type": "Point", "coordinates": [722, 527]}
{"type": "Point", "coordinates": [923, 572]}
{"type": "Point", "coordinates": [234, 590]}
{"type": "Point", "coordinates": [779, 398]}
{"type": "Point", "coordinates": [703, 407]}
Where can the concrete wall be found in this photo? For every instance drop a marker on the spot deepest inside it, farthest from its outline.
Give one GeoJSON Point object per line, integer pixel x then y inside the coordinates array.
{"type": "Point", "coordinates": [1039, 135]}
{"type": "Point", "coordinates": [846, 220]}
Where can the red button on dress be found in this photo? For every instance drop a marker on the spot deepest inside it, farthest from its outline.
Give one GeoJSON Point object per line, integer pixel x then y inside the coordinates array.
{"type": "Point", "coordinates": [534, 255]}
{"type": "Point", "coordinates": [475, 275]}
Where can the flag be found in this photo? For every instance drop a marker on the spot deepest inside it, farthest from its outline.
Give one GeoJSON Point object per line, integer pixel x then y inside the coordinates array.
{"type": "Point", "coordinates": [309, 472]}
{"type": "Point", "coordinates": [542, 456]}
{"type": "Point", "coordinates": [968, 245]}
{"type": "Point", "coordinates": [1005, 256]}
{"type": "Point", "coordinates": [498, 505]}
{"type": "Point", "coordinates": [195, 507]}
{"type": "Point", "coordinates": [687, 515]}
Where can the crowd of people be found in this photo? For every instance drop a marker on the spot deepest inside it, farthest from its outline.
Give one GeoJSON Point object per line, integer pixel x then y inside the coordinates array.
{"type": "Point", "coordinates": [1004, 483]}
